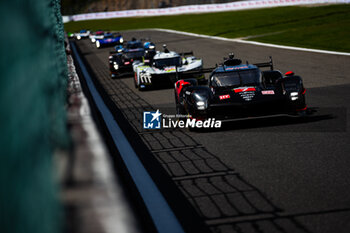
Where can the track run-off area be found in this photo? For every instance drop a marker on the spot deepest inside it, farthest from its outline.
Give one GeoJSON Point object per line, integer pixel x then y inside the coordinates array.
{"type": "Point", "coordinates": [268, 175]}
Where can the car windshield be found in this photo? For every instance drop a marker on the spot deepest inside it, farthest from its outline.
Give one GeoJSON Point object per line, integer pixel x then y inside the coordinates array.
{"type": "Point", "coordinates": [236, 78]}
{"type": "Point", "coordinates": [134, 45]}
{"type": "Point", "coordinates": [134, 54]}
{"type": "Point", "coordinates": [174, 61]}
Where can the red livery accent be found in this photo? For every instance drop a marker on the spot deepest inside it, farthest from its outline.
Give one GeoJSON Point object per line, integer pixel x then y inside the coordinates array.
{"type": "Point", "coordinates": [223, 97]}
{"type": "Point", "coordinates": [179, 85]}
{"type": "Point", "coordinates": [127, 63]}
{"type": "Point", "coordinates": [289, 73]}
{"type": "Point", "coordinates": [237, 90]}
{"type": "Point", "coordinates": [302, 109]}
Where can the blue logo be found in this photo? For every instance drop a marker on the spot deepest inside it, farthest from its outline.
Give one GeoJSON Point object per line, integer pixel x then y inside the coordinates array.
{"type": "Point", "coordinates": [151, 120]}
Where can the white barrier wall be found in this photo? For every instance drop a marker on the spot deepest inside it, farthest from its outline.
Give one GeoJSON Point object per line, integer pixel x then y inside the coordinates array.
{"type": "Point", "coordinates": [197, 9]}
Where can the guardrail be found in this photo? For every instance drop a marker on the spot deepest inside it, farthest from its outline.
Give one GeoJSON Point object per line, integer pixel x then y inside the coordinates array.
{"type": "Point", "coordinates": [204, 8]}
{"type": "Point", "coordinates": [162, 215]}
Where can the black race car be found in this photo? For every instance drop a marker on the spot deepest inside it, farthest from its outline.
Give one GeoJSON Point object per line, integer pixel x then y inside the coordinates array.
{"type": "Point", "coordinates": [122, 59]}
{"type": "Point", "coordinates": [237, 90]}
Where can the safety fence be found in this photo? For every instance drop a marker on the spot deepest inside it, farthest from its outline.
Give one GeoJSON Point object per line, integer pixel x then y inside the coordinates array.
{"type": "Point", "coordinates": [33, 118]}
{"type": "Point", "coordinates": [204, 8]}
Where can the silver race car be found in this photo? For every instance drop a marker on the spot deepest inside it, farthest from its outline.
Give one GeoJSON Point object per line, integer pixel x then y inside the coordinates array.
{"type": "Point", "coordinates": [166, 68]}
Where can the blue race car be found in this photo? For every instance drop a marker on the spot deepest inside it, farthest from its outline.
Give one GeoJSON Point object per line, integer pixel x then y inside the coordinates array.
{"type": "Point", "coordinates": [110, 39]}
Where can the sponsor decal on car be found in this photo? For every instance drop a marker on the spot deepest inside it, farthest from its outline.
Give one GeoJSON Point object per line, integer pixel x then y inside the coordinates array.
{"type": "Point", "coordinates": [223, 97]}
{"type": "Point", "coordinates": [169, 69]}
{"type": "Point", "coordinates": [237, 68]}
{"type": "Point", "coordinates": [247, 93]}
{"type": "Point", "coordinates": [268, 92]}
{"type": "Point", "coordinates": [244, 89]}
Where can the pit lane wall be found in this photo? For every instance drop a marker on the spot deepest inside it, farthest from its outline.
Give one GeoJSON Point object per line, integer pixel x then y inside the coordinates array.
{"type": "Point", "coordinates": [33, 77]}
{"type": "Point", "coordinates": [204, 8]}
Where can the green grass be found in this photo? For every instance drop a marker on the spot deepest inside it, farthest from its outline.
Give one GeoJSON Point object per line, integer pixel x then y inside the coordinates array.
{"type": "Point", "coordinates": [323, 27]}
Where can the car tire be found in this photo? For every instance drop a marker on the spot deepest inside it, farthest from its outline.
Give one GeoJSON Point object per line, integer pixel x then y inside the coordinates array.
{"type": "Point", "coordinates": [180, 109]}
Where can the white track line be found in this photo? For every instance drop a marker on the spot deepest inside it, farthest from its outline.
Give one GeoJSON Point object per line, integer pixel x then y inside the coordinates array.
{"type": "Point", "coordinates": [252, 42]}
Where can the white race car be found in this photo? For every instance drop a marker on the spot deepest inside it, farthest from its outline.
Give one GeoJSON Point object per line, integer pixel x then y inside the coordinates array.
{"type": "Point", "coordinates": [98, 35]}
{"type": "Point", "coordinates": [166, 68]}
{"type": "Point", "coordinates": [82, 34]}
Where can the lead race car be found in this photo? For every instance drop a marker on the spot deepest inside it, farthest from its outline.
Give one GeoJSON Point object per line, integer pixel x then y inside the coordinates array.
{"type": "Point", "coordinates": [237, 90]}
{"type": "Point", "coordinates": [166, 67]}
{"type": "Point", "coordinates": [121, 60]}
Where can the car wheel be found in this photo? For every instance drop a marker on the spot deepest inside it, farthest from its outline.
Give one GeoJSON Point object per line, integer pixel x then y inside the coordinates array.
{"type": "Point", "coordinates": [180, 109]}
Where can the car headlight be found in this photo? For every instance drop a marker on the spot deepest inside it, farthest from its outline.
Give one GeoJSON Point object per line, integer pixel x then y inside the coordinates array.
{"type": "Point", "coordinates": [294, 96]}
{"type": "Point", "coordinates": [98, 44]}
{"type": "Point", "coordinates": [151, 47]}
{"type": "Point", "coordinates": [121, 40]}
{"type": "Point", "coordinates": [116, 66]}
{"type": "Point", "coordinates": [200, 105]}
{"type": "Point", "coordinates": [78, 37]}
{"type": "Point", "coordinates": [93, 40]}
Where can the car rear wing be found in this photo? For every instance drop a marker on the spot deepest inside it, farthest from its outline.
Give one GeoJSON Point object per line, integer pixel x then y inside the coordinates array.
{"type": "Point", "coordinates": [186, 54]}
{"type": "Point", "coordinates": [265, 64]}
{"type": "Point", "coordinates": [185, 74]}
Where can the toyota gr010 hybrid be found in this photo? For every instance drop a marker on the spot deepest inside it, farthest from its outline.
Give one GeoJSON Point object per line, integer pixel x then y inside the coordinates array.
{"type": "Point", "coordinates": [109, 39]}
{"type": "Point", "coordinates": [121, 60]}
{"type": "Point", "coordinates": [237, 90]}
{"type": "Point", "coordinates": [165, 68]}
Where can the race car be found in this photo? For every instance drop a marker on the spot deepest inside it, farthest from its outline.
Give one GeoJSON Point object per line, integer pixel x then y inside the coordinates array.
{"type": "Point", "coordinates": [70, 34]}
{"type": "Point", "coordinates": [109, 39]}
{"type": "Point", "coordinates": [122, 58]}
{"type": "Point", "coordinates": [98, 35]}
{"type": "Point", "coordinates": [165, 68]}
{"type": "Point", "coordinates": [237, 90]}
{"type": "Point", "coordinates": [82, 34]}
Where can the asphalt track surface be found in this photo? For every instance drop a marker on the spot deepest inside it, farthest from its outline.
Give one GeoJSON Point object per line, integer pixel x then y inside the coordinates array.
{"type": "Point", "coordinates": [271, 175]}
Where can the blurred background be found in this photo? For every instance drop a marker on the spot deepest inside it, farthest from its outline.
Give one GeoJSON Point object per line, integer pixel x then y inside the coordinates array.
{"type": "Point", "coordinates": [70, 7]}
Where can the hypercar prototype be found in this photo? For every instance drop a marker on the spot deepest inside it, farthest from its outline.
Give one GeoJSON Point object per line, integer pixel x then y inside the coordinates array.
{"type": "Point", "coordinates": [109, 39]}
{"type": "Point", "coordinates": [237, 90]}
{"type": "Point", "coordinates": [82, 34]}
{"type": "Point", "coordinates": [70, 34]}
{"type": "Point", "coordinates": [121, 60]}
{"type": "Point", "coordinates": [166, 67]}
{"type": "Point", "coordinates": [98, 35]}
